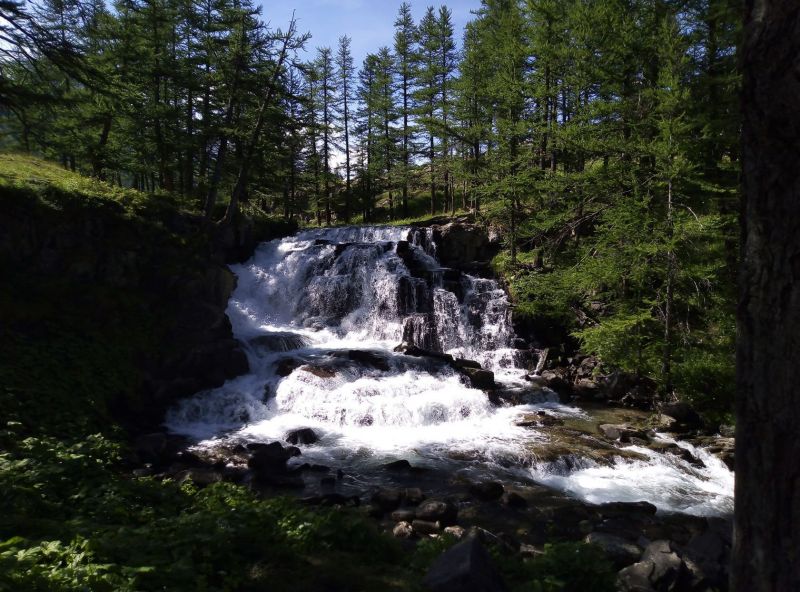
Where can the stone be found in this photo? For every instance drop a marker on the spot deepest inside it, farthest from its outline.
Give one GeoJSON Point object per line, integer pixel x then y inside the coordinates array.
{"type": "Point", "coordinates": [270, 458]}
{"type": "Point", "coordinates": [465, 567]}
{"type": "Point", "coordinates": [480, 379]}
{"type": "Point", "coordinates": [369, 358]}
{"type": "Point", "coordinates": [636, 578]}
{"type": "Point", "coordinates": [303, 436]}
{"type": "Point", "coordinates": [387, 500]}
{"type": "Point", "coordinates": [683, 413]}
{"type": "Point", "coordinates": [398, 465]}
{"type": "Point", "coordinates": [621, 552]}
{"type": "Point", "coordinates": [515, 500]}
{"type": "Point", "coordinates": [438, 511]}
{"type": "Point", "coordinates": [286, 366]}
{"type": "Point", "coordinates": [667, 566]}
{"type": "Point", "coordinates": [403, 530]}
{"type": "Point", "coordinates": [413, 495]}
{"type": "Point", "coordinates": [487, 490]}
{"type": "Point", "coordinates": [462, 363]}
{"type": "Point", "coordinates": [319, 371]}
{"type": "Point", "coordinates": [404, 515]}
{"type": "Point", "coordinates": [426, 527]}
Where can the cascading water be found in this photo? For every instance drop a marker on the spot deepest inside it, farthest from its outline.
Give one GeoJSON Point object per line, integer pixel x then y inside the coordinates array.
{"type": "Point", "coordinates": [320, 314]}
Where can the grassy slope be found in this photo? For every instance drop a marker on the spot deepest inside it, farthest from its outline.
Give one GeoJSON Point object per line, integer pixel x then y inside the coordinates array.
{"type": "Point", "coordinates": [72, 519]}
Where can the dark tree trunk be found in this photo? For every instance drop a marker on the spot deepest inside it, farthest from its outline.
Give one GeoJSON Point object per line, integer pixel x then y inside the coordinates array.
{"type": "Point", "coordinates": [766, 555]}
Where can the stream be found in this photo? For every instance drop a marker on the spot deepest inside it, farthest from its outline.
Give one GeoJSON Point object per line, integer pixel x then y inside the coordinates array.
{"type": "Point", "coordinates": [320, 315]}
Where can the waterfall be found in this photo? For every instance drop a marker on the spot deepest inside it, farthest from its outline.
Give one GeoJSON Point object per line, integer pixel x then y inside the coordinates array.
{"type": "Point", "coordinates": [320, 315]}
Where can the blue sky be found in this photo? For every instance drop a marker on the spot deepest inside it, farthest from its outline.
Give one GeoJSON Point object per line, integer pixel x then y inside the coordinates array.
{"type": "Point", "coordinates": [370, 23]}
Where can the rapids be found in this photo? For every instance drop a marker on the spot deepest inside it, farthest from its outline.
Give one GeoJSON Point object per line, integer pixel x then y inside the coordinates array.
{"type": "Point", "coordinates": [320, 314]}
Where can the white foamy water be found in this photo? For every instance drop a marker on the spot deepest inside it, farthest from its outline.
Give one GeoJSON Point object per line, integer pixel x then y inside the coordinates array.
{"type": "Point", "coordinates": [319, 314]}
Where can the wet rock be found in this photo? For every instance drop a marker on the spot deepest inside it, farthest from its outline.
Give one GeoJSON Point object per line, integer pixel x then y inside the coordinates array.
{"type": "Point", "coordinates": [675, 450]}
{"type": "Point", "coordinates": [398, 465]}
{"type": "Point", "coordinates": [667, 565]}
{"type": "Point", "coordinates": [627, 508]}
{"type": "Point", "coordinates": [369, 358]}
{"type": "Point", "coordinates": [621, 432]}
{"type": "Point", "coordinates": [636, 578]}
{"type": "Point", "coordinates": [465, 567]}
{"type": "Point", "coordinates": [328, 482]}
{"type": "Point", "coordinates": [413, 496]}
{"type": "Point", "coordinates": [418, 352]}
{"type": "Point", "coordinates": [403, 530]}
{"type": "Point", "coordinates": [707, 556]}
{"type": "Point", "coordinates": [426, 527]}
{"type": "Point", "coordinates": [461, 245]}
{"type": "Point", "coordinates": [681, 412]}
{"type": "Point", "coordinates": [621, 552]}
{"type": "Point", "coordinates": [303, 436]}
{"type": "Point", "coordinates": [438, 511]}
{"type": "Point", "coordinates": [270, 458]}
{"type": "Point", "coordinates": [286, 366]}
{"type": "Point", "coordinates": [487, 491]}
{"type": "Point", "coordinates": [319, 371]}
{"type": "Point", "coordinates": [462, 363]}
{"type": "Point", "coordinates": [480, 379]}
{"type": "Point", "coordinates": [387, 500]}
{"type": "Point", "coordinates": [404, 515]}
{"type": "Point", "coordinates": [515, 500]}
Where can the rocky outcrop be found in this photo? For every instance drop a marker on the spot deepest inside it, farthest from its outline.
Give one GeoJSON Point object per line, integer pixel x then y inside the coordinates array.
{"type": "Point", "coordinates": [168, 263]}
{"type": "Point", "coordinates": [464, 246]}
{"type": "Point", "coordinates": [466, 567]}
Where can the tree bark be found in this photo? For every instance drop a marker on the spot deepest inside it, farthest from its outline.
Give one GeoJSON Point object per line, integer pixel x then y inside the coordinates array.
{"type": "Point", "coordinates": [766, 554]}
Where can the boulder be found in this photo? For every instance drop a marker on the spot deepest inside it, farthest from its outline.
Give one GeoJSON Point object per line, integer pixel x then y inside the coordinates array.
{"type": "Point", "coordinates": [319, 371]}
{"type": "Point", "coordinates": [660, 570]}
{"type": "Point", "coordinates": [386, 499]}
{"type": "Point", "coordinates": [620, 551]}
{"type": "Point", "coordinates": [369, 358]}
{"type": "Point", "coordinates": [683, 413]}
{"type": "Point", "coordinates": [515, 500]}
{"type": "Point", "coordinates": [465, 567]}
{"type": "Point", "coordinates": [487, 490]}
{"type": "Point", "coordinates": [286, 366]}
{"type": "Point", "coordinates": [480, 379]}
{"type": "Point", "coordinates": [426, 527]}
{"type": "Point", "coordinates": [302, 436]}
{"type": "Point", "coordinates": [418, 352]}
{"type": "Point", "coordinates": [398, 465]}
{"type": "Point", "coordinates": [403, 530]}
{"type": "Point", "coordinates": [270, 458]}
{"type": "Point", "coordinates": [438, 511]}
{"type": "Point", "coordinates": [404, 515]}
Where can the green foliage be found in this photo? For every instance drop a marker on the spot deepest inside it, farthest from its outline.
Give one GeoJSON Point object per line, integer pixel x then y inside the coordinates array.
{"type": "Point", "coordinates": [562, 567]}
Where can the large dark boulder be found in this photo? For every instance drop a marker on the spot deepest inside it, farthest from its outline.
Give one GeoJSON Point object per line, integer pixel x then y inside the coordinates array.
{"type": "Point", "coordinates": [270, 458]}
{"type": "Point", "coordinates": [302, 436]}
{"type": "Point", "coordinates": [462, 246]}
{"type": "Point", "coordinates": [466, 567]}
{"type": "Point", "coordinates": [438, 511]}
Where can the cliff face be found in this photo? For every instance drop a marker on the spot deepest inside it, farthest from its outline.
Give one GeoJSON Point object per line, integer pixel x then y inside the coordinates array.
{"type": "Point", "coordinates": [170, 264]}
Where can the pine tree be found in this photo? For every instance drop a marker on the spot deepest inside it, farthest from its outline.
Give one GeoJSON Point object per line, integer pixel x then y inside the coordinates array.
{"type": "Point", "coordinates": [405, 51]}
{"type": "Point", "coordinates": [345, 72]}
